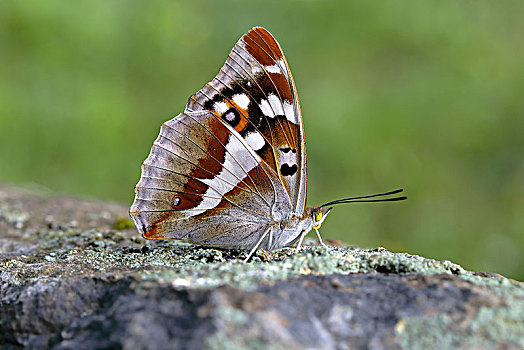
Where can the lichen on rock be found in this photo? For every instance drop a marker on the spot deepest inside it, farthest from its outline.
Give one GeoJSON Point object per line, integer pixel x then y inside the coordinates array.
{"type": "Point", "coordinates": [73, 275]}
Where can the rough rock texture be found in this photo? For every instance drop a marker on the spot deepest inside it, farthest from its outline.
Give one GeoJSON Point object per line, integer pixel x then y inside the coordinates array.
{"type": "Point", "coordinates": [75, 275]}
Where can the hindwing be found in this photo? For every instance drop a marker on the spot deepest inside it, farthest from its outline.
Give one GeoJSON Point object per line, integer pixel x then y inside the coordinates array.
{"type": "Point", "coordinates": [202, 182]}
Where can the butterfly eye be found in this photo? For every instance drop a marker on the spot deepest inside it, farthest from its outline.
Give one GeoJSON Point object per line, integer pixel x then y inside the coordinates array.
{"type": "Point", "coordinates": [318, 217]}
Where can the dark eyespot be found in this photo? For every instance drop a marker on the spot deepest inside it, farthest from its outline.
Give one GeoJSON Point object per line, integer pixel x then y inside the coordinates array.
{"type": "Point", "coordinates": [231, 117]}
{"type": "Point", "coordinates": [287, 170]}
{"type": "Point", "coordinates": [177, 201]}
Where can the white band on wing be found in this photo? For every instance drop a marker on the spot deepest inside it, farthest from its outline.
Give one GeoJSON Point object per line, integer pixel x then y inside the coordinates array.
{"type": "Point", "coordinates": [230, 175]}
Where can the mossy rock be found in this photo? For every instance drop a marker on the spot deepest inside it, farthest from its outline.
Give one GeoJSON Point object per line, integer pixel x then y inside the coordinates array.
{"type": "Point", "coordinates": [75, 275]}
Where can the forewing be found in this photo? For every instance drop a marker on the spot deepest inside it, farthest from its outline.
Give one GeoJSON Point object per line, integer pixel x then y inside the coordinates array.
{"type": "Point", "coordinates": [255, 93]}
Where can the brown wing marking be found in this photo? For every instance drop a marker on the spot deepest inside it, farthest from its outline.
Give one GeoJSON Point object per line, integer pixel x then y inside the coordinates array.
{"type": "Point", "coordinates": [265, 43]}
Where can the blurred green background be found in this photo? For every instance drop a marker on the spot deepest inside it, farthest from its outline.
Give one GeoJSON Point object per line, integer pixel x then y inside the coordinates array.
{"type": "Point", "coordinates": [425, 95]}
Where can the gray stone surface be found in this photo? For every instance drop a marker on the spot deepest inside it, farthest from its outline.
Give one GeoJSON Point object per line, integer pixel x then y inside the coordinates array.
{"type": "Point", "coordinates": [75, 276]}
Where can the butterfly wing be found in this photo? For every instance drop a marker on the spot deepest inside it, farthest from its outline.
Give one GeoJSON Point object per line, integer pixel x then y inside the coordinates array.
{"type": "Point", "coordinates": [256, 84]}
{"type": "Point", "coordinates": [234, 162]}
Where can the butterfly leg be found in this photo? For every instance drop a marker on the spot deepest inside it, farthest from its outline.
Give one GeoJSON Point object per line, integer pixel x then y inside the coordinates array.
{"type": "Point", "coordinates": [299, 244]}
{"type": "Point", "coordinates": [252, 251]}
{"type": "Point", "coordinates": [320, 239]}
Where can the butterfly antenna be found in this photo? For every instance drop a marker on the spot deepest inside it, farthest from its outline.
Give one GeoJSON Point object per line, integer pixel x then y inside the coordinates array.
{"type": "Point", "coordinates": [365, 198]}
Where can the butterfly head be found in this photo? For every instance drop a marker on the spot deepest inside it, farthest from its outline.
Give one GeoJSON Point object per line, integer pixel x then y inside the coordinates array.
{"type": "Point", "coordinates": [319, 215]}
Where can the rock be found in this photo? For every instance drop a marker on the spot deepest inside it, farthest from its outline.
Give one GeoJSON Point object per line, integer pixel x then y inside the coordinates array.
{"type": "Point", "coordinates": [75, 275]}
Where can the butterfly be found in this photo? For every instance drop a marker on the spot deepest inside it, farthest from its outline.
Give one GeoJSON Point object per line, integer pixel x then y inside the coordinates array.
{"type": "Point", "coordinates": [230, 171]}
